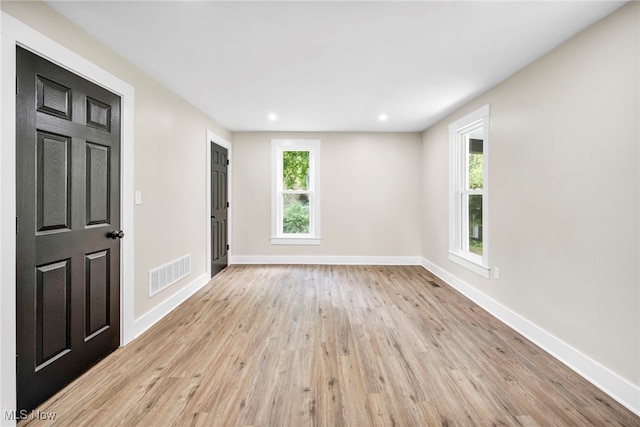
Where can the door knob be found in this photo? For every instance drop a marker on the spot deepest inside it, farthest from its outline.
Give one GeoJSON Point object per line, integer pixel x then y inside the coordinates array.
{"type": "Point", "coordinates": [116, 234]}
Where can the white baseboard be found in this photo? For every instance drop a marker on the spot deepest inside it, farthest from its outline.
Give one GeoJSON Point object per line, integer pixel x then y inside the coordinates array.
{"type": "Point", "coordinates": [147, 320]}
{"type": "Point", "coordinates": [330, 260]}
{"type": "Point", "coordinates": [609, 382]}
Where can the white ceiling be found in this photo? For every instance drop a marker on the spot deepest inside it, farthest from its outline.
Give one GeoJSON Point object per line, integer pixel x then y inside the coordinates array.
{"type": "Point", "coordinates": [331, 66]}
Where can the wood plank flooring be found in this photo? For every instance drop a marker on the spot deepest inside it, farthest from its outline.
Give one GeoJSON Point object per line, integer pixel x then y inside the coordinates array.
{"type": "Point", "coordinates": [331, 346]}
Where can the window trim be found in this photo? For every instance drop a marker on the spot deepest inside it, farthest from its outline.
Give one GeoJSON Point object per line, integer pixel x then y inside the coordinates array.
{"type": "Point", "coordinates": [278, 146]}
{"type": "Point", "coordinates": [457, 188]}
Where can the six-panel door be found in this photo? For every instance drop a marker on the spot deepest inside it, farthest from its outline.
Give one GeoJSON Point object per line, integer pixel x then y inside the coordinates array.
{"type": "Point", "coordinates": [219, 208]}
{"type": "Point", "coordinates": [68, 201]}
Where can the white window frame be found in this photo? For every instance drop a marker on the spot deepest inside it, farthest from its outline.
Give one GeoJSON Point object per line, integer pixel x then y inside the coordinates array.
{"type": "Point", "coordinates": [278, 146]}
{"type": "Point", "coordinates": [458, 169]}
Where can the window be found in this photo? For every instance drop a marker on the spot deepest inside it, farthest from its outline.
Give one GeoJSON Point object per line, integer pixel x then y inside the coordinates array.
{"type": "Point", "coordinates": [468, 191]}
{"type": "Point", "coordinates": [295, 199]}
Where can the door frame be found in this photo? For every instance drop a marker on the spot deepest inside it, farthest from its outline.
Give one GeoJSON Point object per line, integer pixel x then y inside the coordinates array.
{"type": "Point", "coordinates": [15, 33]}
{"type": "Point", "coordinates": [218, 140]}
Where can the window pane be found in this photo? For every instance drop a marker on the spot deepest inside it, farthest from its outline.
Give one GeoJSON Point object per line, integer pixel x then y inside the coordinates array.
{"type": "Point", "coordinates": [295, 170]}
{"type": "Point", "coordinates": [475, 159]}
{"type": "Point", "coordinates": [475, 223]}
{"type": "Point", "coordinates": [295, 214]}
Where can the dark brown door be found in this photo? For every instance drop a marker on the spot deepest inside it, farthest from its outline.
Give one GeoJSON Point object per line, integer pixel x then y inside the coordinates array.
{"type": "Point", "coordinates": [219, 207]}
{"type": "Point", "coordinates": [68, 223]}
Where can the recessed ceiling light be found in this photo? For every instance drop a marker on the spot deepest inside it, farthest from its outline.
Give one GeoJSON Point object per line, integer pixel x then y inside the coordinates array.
{"type": "Point", "coordinates": [272, 117]}
{"type": "Point", "coordinates": [383, 117]}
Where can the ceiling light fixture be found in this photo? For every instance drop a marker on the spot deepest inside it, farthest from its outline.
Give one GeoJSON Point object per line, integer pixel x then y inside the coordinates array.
{"type": "Point", "coordinates": [272, 117]}
{"type": "Point", "coordinates": [383, 117]}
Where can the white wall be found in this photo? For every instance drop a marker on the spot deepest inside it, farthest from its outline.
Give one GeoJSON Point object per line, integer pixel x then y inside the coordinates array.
{"type": "Point", "coordinates": [369, 194]}
{"type": "Point", "coordinates": [564, 195]}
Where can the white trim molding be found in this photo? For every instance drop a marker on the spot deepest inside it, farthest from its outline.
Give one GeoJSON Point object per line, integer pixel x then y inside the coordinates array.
{"type": "Point", "coordinates": [473, 265]}
{"type": "Point", "coordinates": [218, 140]}
{"type": "Point", "coordinates": [609, 382]}
{"type": "Point", "coordinates": [293, 241]}
{"type": "Point", "coordinates": [325, 260]}
{"type": "Point", "coordinates": [15, 33]}
{"type": "Point", "coordinates": [153, 316]}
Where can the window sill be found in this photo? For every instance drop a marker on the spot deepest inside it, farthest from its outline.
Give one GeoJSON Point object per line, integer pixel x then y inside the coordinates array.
{"type": "Point", "coordinates": [296, 241]}
{"type": "Point", "coordinates": [470, 264]}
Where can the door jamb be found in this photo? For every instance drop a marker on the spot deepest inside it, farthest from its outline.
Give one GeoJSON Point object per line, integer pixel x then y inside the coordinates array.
{"type": "Point", "coordinates": [15, 33]}
{"type": "Point", "coordinates": [218, 140]}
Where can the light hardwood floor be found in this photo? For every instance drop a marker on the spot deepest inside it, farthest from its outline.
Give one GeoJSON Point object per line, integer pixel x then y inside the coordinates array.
{"type": "Point", "coordinates": [331, 346]}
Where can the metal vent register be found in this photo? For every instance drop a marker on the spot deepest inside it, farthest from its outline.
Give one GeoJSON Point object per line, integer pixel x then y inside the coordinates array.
{"type": "Point", "coordinates": [168, 274]}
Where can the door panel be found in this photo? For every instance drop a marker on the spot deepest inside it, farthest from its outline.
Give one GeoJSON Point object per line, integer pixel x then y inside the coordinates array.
{"type": "Point", "coordinates": [53, 182]}
{"type": "Point", "coordinates": [219, 208]}
{"type": "Point", "coordinates": [53, 98]}
{"type": "Point", "coordinates": [97, 183]}
{"type": "Point", "coordinates": [53, 311]}
{"type": "Point", "coordinates": [97, 292]}
{"type": "Point", "coordinates": [68, 200]}
{"type": "Point", "coordinates": [98, 114]}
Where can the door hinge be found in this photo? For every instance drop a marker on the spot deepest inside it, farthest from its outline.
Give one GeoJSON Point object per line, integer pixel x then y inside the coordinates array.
{"type": "Point", "coordinates": [227, 247]}
{"type": "Point", "coordinates": [227, 162]}
{"type": "Point", "coordinates": [227, 204]}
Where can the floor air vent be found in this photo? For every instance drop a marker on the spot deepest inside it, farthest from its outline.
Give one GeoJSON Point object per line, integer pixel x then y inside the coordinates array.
{"type": "Point", "coordinates": [168, 274]}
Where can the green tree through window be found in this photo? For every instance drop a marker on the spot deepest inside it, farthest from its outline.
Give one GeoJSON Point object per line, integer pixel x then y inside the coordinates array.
{"type": "Point", "coordinates": [295, 169]}
{"type": "Point", "coordinates": [295, 176]}
{"type": "Point", "coordinates": [475, 203]}
{"type": "Point", "coordinates": [475, 170]}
